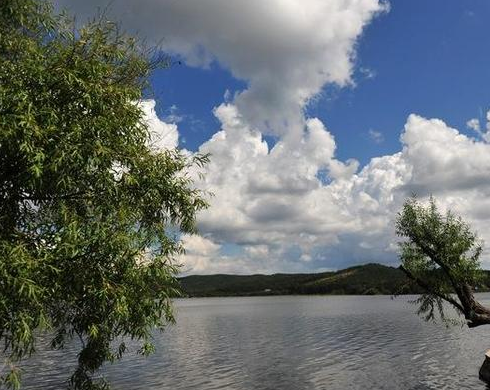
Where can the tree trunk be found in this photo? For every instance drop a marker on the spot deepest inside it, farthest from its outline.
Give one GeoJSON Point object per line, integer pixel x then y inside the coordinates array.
{"type": "Point", "coordinates": [473, 311]}
{"type": "Point", "coordinates": [485, 368]}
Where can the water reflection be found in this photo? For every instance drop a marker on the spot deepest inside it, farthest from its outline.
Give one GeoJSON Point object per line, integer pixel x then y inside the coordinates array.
{"type": "Point", "coordinates": [292, 342]}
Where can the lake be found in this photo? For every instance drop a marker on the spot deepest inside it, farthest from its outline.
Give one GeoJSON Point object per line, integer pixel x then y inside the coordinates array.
{"type": "Point", "coordinates": [292, 342]}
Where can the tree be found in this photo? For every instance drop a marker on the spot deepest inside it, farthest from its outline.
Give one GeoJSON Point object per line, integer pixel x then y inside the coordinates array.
{"type": "Point", "coordinates": [441, 254]}
{"type": "Point", "coordinates": [89, 212]}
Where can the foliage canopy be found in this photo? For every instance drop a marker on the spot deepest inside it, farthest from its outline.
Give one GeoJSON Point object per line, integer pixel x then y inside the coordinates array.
{"type": "Point", "coordinates": [441, 254]}
{"type": "Point", "coordinates": [87, 207]}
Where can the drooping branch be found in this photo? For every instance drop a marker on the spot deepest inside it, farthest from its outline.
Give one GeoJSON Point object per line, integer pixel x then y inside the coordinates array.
{"type": "Point", "coordinates": [474, 312]}
{"type": "Point", "coordinates": [433, 256]}
{"type": "Point", "coordinates": [431, 290]}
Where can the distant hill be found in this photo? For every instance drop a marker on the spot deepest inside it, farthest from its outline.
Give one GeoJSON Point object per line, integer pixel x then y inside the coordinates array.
{"type": "Point", "coordinates": [368, 279]}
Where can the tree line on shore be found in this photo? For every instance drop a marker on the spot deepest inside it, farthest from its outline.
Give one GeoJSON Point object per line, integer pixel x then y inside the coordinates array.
{"type": "Point", "coordinates": [367, 279]}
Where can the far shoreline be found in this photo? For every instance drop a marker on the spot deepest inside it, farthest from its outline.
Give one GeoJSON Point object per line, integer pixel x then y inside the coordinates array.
{"type": "Point", "coordinates": [370, 279]}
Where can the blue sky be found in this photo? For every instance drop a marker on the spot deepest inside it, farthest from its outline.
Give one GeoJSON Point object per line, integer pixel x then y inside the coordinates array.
{"type": "Point", "coordinates": [428, 57]}
{"type": "Point", "coordinates": [321, 118]}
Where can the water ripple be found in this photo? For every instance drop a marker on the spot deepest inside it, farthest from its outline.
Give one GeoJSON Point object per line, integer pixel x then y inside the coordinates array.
{"type": "Point", "coordinates": [269, 343]}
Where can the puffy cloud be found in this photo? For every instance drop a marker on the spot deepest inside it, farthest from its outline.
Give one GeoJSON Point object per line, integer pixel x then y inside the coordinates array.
{"type": "Point", "coordinates": [443, 159]}
{"type": "Point", "coordinates": [474, 124]}
{"type": "Point", "coordinates": [295, 207]}
{"type": "Point", "coordinates": [162, 135]}
{"type": "Point", "coordinates": [199, 253]}
{"type": "Point", "coordinates": [273, 204]}
{"type": "Point", "coordinates": [254, 187]}
{"type": "Point", "coordinates": [281, 214]}
{"type": "Point", "coordinates": [286, 50]}
{"type": "Point", "coordinates": [203, 256]}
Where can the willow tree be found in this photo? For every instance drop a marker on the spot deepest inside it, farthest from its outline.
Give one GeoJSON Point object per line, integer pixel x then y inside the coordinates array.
{"type": "Point", "coordinates": [88, 211]}
{"type": "Point", "coordinates": [441, 254]}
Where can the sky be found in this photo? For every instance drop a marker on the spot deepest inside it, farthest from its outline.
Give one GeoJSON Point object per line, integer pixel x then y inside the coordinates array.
{"type": "Point", "coordinates": [321, 118]}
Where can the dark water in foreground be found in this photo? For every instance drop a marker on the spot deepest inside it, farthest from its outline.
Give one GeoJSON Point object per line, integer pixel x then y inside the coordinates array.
{"type": "Point", "coordinates": [293, 342]}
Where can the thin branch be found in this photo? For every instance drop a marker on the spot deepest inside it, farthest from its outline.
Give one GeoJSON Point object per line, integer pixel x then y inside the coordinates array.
{"type": "Point", "coordinates": [463, 297]}
{"type": "Point", "coordinates": [429, 289]}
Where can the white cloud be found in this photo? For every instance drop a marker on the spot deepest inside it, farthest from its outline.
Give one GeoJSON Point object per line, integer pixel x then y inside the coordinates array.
{"type": "Point", "coordinates": [376, 136]}
{"type": "Point", "coordinates": [367, 73]}
{"type": "Point", "coordinates": [203, 256]}
{"type": "Point", "coordinates": [162, 135]}
{"type": "Point", "coordinates": [474, 124]}
{"type": "Point", "coordinates": [286, 50]}
{"type": "Point", "coordinates": [200, 253]}
{"type": "Point", "coordinates": [272, 204]}
{"type": "Point", "coordinates": [173, 115]}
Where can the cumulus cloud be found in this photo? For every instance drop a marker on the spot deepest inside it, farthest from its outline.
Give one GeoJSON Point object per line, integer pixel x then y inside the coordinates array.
{"type": "Point", "coordinates": [273, 205]}
{"type": "Point", "coordinates": [286, 50]}
{"type": "Point", "coordinates": [203, 256]}
{"type": "Point", "coordinates": [474, 124]}
{"type": "Point", "coordinates": [295, 206]}
{"type": "Point", "coordinates": [163, 135]}
{"type": "Point", "coordinates": [257, 187]}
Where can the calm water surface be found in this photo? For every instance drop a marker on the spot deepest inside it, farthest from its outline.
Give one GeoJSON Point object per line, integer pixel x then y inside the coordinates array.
{"type": "Point", "coordinates": [292, 342]}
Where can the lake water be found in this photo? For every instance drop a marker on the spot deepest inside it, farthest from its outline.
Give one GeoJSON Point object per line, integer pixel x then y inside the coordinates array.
{"type": "Point", "coordinates": [292, 342]}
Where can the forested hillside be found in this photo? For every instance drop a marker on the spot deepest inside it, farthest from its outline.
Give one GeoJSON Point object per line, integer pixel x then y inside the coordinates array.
{"type": "Point", "coordinates": [365, 279]}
